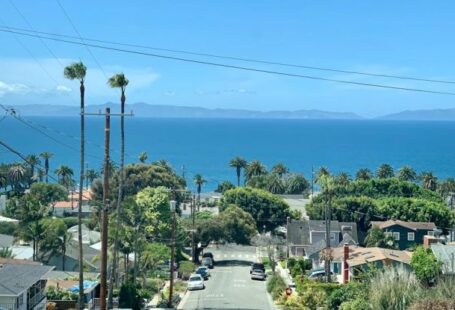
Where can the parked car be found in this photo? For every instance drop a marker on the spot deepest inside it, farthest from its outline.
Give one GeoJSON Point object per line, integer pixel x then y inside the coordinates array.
{"type": "Point", "coordinates": [317, 274]}
{"type": "Point", "coordinates": [258, 274]}
{"type": "Point", "coordinates": [195, 282]}
{"type": "Point", "coordinates": [208, 262]}
{"type": "Point", "coordinates": [203, 273]}
{"type": "Point", "coordinates": [259, 266]}
{"type": "Point", "coordinates": [208, 254]}
{"type": "Point", "coordinates": [207, 270]}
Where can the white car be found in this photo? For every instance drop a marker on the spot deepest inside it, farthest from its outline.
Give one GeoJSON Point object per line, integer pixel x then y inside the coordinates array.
{"type": "Point", "coordinates": [196, 282]}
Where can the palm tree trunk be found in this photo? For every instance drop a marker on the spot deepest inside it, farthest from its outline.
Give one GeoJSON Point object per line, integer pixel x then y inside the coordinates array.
{"type": "Point", "coordinates": [238, 176]}
{"type": "Point", "coordinates": [119, 196]}
{"type": "Point", "coordinates": [79, 213]}
{"type": "Point", "coordinates": [46, 168]}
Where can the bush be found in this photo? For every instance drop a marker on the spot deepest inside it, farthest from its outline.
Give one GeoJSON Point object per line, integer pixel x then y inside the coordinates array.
{"type": "Point", "coordinates": [129, 297]}
{"type": "Point", "coordinates": [276, 286]}
{"type": "Point", "coordinates": [356, 304]}
{"type": "Point", "coordinates": [8, 228]}
{"type": "Point", "coordinates": [70, 221]}
{"type": "Point", "coordinates": [186, 269]}
{"type": "Point", "coordinates": [345, 293]}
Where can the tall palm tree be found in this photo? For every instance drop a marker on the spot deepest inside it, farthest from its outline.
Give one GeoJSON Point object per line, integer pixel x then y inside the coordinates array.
{"type": "Point", "coordinates": [275, 184]}
{"type": "Point", "coordinates": [429, 181]}
{"type": "Point", "coordinates": [343, 179]}
{"type": "Point", "coordinates": [33, 160]}
{"type": "Point", "coordinates": [65, 176]}
{"type": "Point", "coordinates": [322, 172]}
{"type": "Point", "coordinates": [406, 173]}
{"type": "Point", "coordinates": [40, 175]}
{"type": "Point", "coordinates": [280, 169]}
{"type": "Point", "coordinates": [91, 175]}
{"type": "Point", "coordinates": [296, 184]}
{"type": "Point", "coordinates": [143, 157]}
{"type": "Point", "coordinates": [385, 171]}
{"type": "Point", "coordinates": [255, 168]}
{"type": "Point", "coordinates": [46, 156]}
{"type": "Point", "coordinates": [77, 71]}
{"type": "Point", "coordinates": [199, 181]}
{"type": "Point", "coordinates": [238, 163]}
{"type": "Point", "coordinates": [363, 174]}
{"type": "Point", "coordinates": [119, 81]}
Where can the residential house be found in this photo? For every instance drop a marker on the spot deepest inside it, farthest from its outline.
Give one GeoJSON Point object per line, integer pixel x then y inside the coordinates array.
{"type": "Point", "coordinates": [91, 258]}
{"type": "Point", "coordinates": [445, 253]}
{"type": "Point", "coordinates": [22, 286]}
{"type": "Point", "coordinates": [70, 206]}
{"type": "Point", "coordinates": [307, 238]}
{"type": "Point", "coordinates": [406, 234]}
{"type": "Point", "coordinates": [347, 260]}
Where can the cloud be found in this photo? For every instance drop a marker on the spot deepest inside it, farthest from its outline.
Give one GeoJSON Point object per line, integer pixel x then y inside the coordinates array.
{"type": "Point", "coordinates": [12, 88]}
{"type": "Point", "coordinates": [63, 89]}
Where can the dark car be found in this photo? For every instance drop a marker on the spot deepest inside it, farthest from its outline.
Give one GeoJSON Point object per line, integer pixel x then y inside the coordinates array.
{"type": "Point", "coordinates": [208, 262]}
{"type": "Point", "coordinates": [208, 254]}
{"type": "Point", "coordinates": [203, 273]}
{"type": "Point", "coordinates": [259, 266]}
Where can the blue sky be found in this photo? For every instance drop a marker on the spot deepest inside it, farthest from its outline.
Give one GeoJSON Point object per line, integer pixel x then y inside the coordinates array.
{"type": "Point", "coordinates": [411, 38]}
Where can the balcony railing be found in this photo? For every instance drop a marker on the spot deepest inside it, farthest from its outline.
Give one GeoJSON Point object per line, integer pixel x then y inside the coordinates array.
{"type": "Point", "coordinates": [5, 306]}
{"type": "Point", "coordinates": [33, 301]}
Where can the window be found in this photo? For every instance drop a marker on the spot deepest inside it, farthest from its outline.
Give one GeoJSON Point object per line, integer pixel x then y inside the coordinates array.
{"type": "Point", "coordinates": [396, 236]}
{"type": "Point", "coordinates": [411, 236]}
{"type": "Point", "coordinates": [332, 236]}
{"type": "Point", "coordinates": [430, 233]}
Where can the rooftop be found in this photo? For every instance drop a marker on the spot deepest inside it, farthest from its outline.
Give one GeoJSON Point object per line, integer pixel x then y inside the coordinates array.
{"type": "Point", "coordinates": [360, 256]}
{"type": "Point", "coordinates": [410, 225]}
{"type": "Point", "coordinates": [446, 255]}
{"type": "Point", "coordinates": [17, 278]}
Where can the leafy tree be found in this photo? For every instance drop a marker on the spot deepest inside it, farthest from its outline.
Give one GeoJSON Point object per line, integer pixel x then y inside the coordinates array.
{"type": "Point", "coordinates": [224, 186]}
{"type": "Point", "coordinates": [271, 244]}
{"type": "Point", "coordinates": [377, 238]}
{"type": "Point", "coordinates": [239, 226]}
{"type": "Point", "coordinates": [363, 174]}
{"type": "Point", "coordinates": [255, 168]}
{"type": "Point", "coordinates": [238, 163]}
{"type": "Point", "coordinates": [48, 193]}
{"type": "Point", "coordinates": [426, 266]}
{"type": "Point", "coordinates": [429, 181]}
{"type": "Point", "coordinates": [406, 173]}
{"type": "Point", "coordinates": [8, 228]}
{"type": "Point", "coordinates": [296, 184]}
{"type": "Point", "coordinates": [153, 255]}
{"type": "Point", "coordinates": [280, 169]}
{"type": "Point", "coordinates": [46, 156]}
{"type": "Point", "coordinates": [129, 297]}
{"type": "Point", "coordinates": [143, 157]}
{"type": "Point", "coordinates": [155, 204]}
{"type": "Point", "coordinates": [186, 269]}
{"type": "Point", "coordinates": [56, 239]}
{"type": "Point", "coordinates": [266, 208]}
{"type": "Point", "coordinates": [384, 171]}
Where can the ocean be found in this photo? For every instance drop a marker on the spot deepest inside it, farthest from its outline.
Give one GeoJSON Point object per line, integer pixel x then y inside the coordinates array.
{"type": "Point", "coordinates": [205, 146]}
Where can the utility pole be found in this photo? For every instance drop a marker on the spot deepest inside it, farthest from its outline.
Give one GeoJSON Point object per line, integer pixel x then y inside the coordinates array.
{"type": "Point", "coordinates": [193, 246]}
{"type": "Point", "coordinates": [288, 219]}
{"type": "Point", "coordinates": [312, 182]}
{"type": "Point", "coordinates": [103, 289]}
{"type": "Point", "coordinates": [327, 236]}
{"type": "Point", "coordinates": [171, 284]}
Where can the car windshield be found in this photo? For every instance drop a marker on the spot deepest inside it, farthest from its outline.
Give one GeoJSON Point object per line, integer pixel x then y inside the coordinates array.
{"type": "Point", "coordinates": [192, 279]}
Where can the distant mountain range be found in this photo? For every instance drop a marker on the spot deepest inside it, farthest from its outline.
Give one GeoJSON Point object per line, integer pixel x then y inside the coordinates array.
{"type": "Point", "coordinates": [170, 111]}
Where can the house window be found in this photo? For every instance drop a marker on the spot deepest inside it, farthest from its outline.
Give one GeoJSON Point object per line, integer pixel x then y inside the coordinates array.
{"type": "Point", "coordinates": [411, 236]}
{"type": "Point", "coordinates": [332, 236]}
{"type": "Point", "coordinates": [396, 236]}
{"type": "Point", "coordinates": [430, 233]}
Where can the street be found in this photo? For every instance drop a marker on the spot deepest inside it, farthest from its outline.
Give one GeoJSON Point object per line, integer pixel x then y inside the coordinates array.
{"type": "Point", "coordinates": [230, 286]}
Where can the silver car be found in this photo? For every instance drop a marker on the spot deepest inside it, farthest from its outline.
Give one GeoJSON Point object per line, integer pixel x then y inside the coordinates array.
{"type": "Point", "coordinates": [258, 274]}
{"type": "Point", "coordinates": [195, 282]}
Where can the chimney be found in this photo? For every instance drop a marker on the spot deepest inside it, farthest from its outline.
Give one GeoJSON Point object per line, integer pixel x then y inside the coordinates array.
{"type": "Point", "coordinates": [345, 263]}
{"type": "Point", "coordinates": [429, 240]}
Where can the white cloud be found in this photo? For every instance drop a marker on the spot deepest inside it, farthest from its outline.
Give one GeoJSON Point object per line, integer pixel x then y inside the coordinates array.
{"type": "Point", "coordinates": [12, 88]}
{"type": "Point", "coordinates": [63, 89]}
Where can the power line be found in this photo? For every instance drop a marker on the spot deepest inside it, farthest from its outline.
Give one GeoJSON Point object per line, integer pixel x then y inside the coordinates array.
{"type": "Point", "coordinates": [80, 37]}
{"type": "Point", "coordinates": [251, 69]}
{"type": "Point", "coordinates": [259, 61]}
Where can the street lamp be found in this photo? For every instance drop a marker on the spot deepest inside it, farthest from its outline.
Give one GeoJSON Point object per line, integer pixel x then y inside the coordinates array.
{"type": "Point", "coordinates": [172, 205]}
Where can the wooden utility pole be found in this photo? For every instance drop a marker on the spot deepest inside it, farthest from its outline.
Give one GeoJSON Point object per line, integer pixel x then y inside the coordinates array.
{"type": "Point", "coordinates": [193, 246]}
{"type": "Point", "coordinates": [105, 214]}
{"type": "Point", "coordinates": [327, 238]}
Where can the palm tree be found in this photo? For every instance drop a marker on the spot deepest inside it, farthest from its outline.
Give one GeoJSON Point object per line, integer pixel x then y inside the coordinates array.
{"type": "Point", "coordinates": [65, 176]}
{"type": "Point", "coordinates": [429, 181]}
{"type": "Point", "coordinates": [406, 173]}
{"type": "Point", "coordinates": [363, 174]}
{"type": "Point", "coordinates": [385, 171]}
{"type": "Point", "coordinates": [275, 184]}
{"type": "Point", "coordinates": [40, 175]}
{"type": "Point", "coordinates": [46, 156]}
{"type": "Point", "coordinates": [112, 168]}
{"type": "Point", "coordinates": [238, 163]}
{"type": "Point", "coordinates": [90, 176]}
{"type": "Point", "coordinates": [296, 184]}
{"type": "Point", "coordinates": [343, 179]}
{"type": "Point", "coordinates": [323, 171]}
{"type": "Point", "coordinates": [143, 157]}
{"type": "Point", "coordinates": [3, 181]}
{"type": "Point", "coordinates": [255, 168]}
{"type": "Point", "coordinates": [280, 169]}
{"type": "Point", "coordinates": [199, 181]}
{"type": "Point", "coordinates": [33, 160]}
{"type": "Point", "coordinates": [119, 81]}
{"type": "Point", "coordinates": [77, 71]}
{"type": "Point", "coordinates": [16, 175]}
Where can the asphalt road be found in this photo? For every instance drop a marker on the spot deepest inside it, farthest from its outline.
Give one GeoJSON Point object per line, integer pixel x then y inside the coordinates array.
{"type": "Point", "coordinates": [230, 286]}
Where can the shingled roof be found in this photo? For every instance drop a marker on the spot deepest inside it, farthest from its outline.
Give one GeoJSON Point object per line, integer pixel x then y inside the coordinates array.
{"type": "Point", "coordinates": [409, 225]}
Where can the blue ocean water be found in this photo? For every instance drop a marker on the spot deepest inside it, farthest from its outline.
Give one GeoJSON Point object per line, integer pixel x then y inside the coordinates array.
{"type": "Point", "coordinates": [205, 146]}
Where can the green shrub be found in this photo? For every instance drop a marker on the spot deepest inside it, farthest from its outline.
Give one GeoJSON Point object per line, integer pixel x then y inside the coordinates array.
{"type": "Point", "coordinates": [356, 304]}
{"type": "Point", "coordinates": [186, 269]}
{"type": "Point", "coordinates": [276, 286]}
{"type": "Point", "coordinates": [344, 293]}
{"type": "Point", "coordinates": [8, 228]}
{"type": "Point", "coordinates": [129, 297]}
